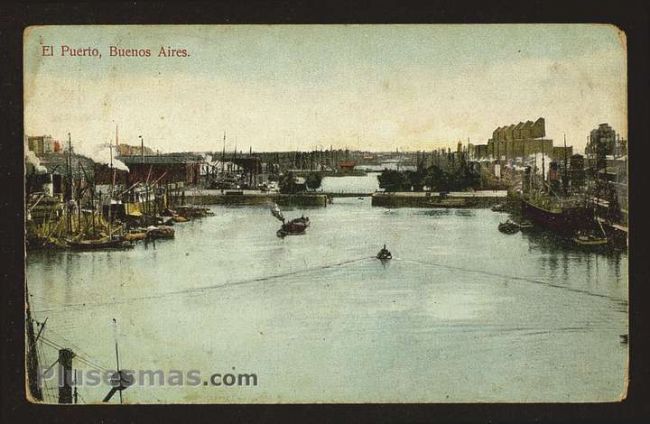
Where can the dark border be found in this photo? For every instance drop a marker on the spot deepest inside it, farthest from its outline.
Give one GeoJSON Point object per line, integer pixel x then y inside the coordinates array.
{"type": "Point", "coordinates": [631, 18]}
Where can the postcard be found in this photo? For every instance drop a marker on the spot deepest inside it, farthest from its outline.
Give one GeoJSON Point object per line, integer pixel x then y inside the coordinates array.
{"type": "Point", "coordinates": [326, 213]}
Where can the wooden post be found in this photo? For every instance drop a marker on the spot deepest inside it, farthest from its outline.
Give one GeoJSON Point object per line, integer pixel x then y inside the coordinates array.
{"type": "Point", "coordinates": [65, 365]}
{"type": "Point", "coordinates": [32, 358]}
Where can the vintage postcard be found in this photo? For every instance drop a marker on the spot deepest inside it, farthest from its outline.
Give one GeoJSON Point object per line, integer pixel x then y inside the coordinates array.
{"type": "Point", "coordinates": [326, 213]}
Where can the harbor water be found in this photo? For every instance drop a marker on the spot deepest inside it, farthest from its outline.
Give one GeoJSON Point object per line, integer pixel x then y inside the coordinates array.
{"type": "Point", "coordinates": [462, 313]}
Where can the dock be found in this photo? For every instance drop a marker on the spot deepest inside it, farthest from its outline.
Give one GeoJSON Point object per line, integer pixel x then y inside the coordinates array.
{"type": "Point", "coordinates": [474, 199]}
{"type": "Point", "coordinates": [252, 197]}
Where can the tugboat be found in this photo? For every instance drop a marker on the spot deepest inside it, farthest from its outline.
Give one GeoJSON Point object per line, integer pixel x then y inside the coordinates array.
{"type": "Point", "coordinates": [384, 254]}
{"type": "Point", "coordinates": [294, 227]}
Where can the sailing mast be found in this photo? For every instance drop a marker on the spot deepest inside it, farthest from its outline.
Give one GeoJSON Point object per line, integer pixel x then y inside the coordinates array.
{"type": "Point", "coordinates": [543, 171]}
{"type": "Point", "coordinates": [68, 193]}
{"type": "Point", "coordinates": [223, 156]}
{"type": "Point", "coordinates": [566, 169]}
{"type": "Point", "coordinates": [110, 197]}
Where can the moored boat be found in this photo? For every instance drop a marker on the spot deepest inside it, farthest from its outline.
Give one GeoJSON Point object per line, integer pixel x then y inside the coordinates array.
{"type": "Point", "coordinates": [562, 216]}
{"type": "Point", "coordinates": [589, 240]}
{"type": "Point", "coordinates": [160, 232]}
{"type": "Point", "coordinates": [98, 244]}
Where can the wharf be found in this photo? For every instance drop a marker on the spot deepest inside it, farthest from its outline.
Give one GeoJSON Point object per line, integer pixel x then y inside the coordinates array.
{"type": "Point", "coordinates": [252, 197]}
{"type": "Point", "coordinates": [473, 199]}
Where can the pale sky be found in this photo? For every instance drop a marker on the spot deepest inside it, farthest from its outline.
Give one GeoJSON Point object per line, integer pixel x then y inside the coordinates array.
{"type": "Point", "coordinates": [369, 87]}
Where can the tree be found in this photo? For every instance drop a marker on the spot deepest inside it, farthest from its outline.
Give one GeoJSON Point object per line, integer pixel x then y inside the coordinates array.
{"type": "Point", "coordinates": [288, 183]}
{"type": "Point", "coordinates": [416, 179]}
{"type": "Point", "coordinates": [314, 180]}
{"type": "Point", "coordinates": [391, 180]}
{"type": "Point", "coordinates": [437, 179]}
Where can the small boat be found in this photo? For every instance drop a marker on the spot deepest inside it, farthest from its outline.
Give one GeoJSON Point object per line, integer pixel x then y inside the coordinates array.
{"type": "Point", "coordinates": [189, 212]}
{"type": "Point", "coordinates": [590, 240]}
{"type": "Point", "coordinates": [525, 225]}
{"type": "Point", "coordinates": [294, 227]}
{"type": "Point", "coordinates": [160, 232]}
{"type": "Point", "coordinates": [98, 244]}
{"type": "Point", "coordinates": [135, 235]}
{"type": "Point", "coordinates": [499, 208]}
{"type": "Point", "coordinates": [508, 227]}
{"type": "Point", "coordinates": [384, 254]}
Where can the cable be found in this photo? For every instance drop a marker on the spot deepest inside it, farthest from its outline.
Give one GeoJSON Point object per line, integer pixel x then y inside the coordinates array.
{"type": "Point", "coordinates": [79, 353]}
{"type": "Point", "coordinates": [511, 277]}
{"type": "Point", "coordinates": [81, 358]}
{"type": "Point", "coordinates": [219, 286]}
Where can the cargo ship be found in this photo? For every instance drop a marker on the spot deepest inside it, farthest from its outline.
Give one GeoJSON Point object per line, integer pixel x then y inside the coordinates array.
{"type": "Point", "coordinates": [564, 215]}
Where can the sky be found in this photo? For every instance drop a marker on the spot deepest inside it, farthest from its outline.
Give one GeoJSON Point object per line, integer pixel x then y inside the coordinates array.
{"type": "Point", "coordinates": [305, 87]}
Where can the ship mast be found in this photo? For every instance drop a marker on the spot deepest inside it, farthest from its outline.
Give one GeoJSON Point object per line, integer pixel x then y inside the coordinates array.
{"type": "Point", "coordinates": [566, 170]}
{"type": "Point", "coordinates": [223, 155]}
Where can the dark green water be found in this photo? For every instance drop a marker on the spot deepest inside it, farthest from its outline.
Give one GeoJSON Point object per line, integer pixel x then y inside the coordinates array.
{"type": "Point", "coordinates": [462, 313]}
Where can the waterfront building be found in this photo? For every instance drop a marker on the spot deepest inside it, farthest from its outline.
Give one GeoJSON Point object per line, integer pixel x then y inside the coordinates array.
{"type": "Point", "coordinates": [515, 142]}
{"type": "Point", "coordinates": [43, 144]}
{"type": "Point", "coordinates": [165, 169]}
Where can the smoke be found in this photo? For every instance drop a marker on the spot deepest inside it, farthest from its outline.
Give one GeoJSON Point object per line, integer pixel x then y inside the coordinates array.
{"type": "Point", "coordinates": [539, 163]}
{"type": "Point", "coordinates": [100, 154]}
{"type": "Point", "coordinates": [276, 212]}
{"type": "Point", "coordinates": [33, 160]}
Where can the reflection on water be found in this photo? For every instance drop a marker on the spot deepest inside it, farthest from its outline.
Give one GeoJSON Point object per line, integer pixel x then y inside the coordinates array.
{"type": "Point", "coordinates": [462, 313]}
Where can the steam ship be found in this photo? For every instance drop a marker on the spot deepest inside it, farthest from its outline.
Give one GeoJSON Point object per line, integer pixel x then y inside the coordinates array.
{"type": "Point", "coordinates": [564, 215]}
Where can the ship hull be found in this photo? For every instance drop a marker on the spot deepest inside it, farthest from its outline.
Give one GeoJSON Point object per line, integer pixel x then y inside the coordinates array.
{"type": "Point", "coordinates": [566, 222]}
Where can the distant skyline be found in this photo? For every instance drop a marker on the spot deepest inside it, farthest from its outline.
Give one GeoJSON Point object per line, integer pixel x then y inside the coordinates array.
{"type": "Point", "coordinates": [303, 87]}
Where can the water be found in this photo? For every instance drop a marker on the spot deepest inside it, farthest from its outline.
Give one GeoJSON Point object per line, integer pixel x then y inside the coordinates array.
{"type": "Point", "coordinates": [366, 184]}
{"type": "Point", "coordinates": [462, 313]}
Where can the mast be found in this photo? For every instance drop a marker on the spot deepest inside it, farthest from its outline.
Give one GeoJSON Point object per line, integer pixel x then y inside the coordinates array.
{"type": "Point", "coordinates": [543, 172]}
{"type": "Point", "coordinates": [535, 171]}
{"type": "Point", "coordinates": [110, 205]}
{"type": "Point", "coordinates": [68, 193]}
{"type": "Point", "coordinates": [566, 170]}
{"type": "Point", "coordinates": [223, 155]}
{"type": "Point", "coordinates": [142, 149]}
{"type": "Point", "coordinates": [32, 357]}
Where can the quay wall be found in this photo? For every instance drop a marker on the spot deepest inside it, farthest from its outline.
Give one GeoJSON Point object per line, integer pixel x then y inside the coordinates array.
{"type": "Point", "coordinates": [258, 199]}
{"type": "Point", "coordinates": [480, 199]}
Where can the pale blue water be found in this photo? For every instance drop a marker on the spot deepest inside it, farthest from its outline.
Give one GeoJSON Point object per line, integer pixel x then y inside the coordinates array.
{"type": "Point", "coordinates": [462, 313]}
{"type": "Point", "coordinates": [365, 184]}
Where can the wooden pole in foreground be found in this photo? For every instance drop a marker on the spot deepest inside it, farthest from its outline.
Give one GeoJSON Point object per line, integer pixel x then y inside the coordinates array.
{"type": "Point", "coordinates": [65, 365]}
